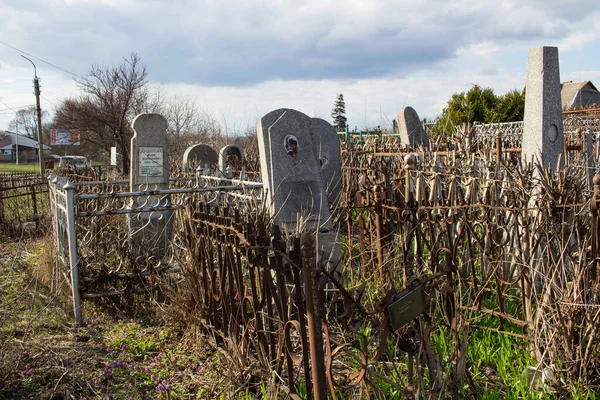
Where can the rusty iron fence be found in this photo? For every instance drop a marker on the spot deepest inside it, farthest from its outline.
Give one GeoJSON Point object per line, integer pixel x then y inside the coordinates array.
{"type": "Point", "coordinates": [24, 205]}
{"type": "Point", "coordinates": [490, 142]}
{"type": "Point", "coordinates": [248, 290]}
{"type": "Point", "coordinates": [433, 244]}
{"type": "Point", "coordinates": [467, 250]}
{"type": "Point", "coordinates": [267, 300]}
{"type": "Point", "coordinates": [92, 230]}
{"type": "Point", "coordinates": [15, 179]}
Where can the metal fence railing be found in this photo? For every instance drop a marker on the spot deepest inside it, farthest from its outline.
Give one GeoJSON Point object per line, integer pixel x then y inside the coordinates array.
{"type": "Point", "coordinates": [24, 203]}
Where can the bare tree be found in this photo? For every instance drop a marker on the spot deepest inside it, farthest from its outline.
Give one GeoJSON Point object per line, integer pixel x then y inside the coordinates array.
{"type": "Point", "coordinates": [188, 124]}
{"type": "Point", "coordinates": [110, 99]}
{"type": "Point", "coordinates": [25, 122]}
{"type": "Point", "coordinates": [181, 114]}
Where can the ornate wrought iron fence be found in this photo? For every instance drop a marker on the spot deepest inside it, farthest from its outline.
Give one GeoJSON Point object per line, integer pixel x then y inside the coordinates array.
{"type": "Point", "coordinates": [474, 248]}
{"type": "Point", "coordinates": [93, 230]}
{"type": "Point", "coordinates": [453, 242]}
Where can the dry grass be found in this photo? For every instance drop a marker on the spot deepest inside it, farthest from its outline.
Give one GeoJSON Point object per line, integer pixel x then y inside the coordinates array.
{"type": "Point", "coordinates": [120, 352]}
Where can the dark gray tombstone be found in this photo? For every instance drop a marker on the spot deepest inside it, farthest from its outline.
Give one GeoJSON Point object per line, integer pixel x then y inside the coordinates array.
{"type": "Point", "coordinates": [327, 141]}
{"type": "Point", "coordinates": [291, 171]}
{"type": "Point", "coordinates": [411, 128]}
{"type": "Point", "coordinates": [200, 155]}
{"type": "Point", "coordinates": [232, 156]}
{"type": "Point", "coordinates": [543, 136]}
{"type": "Point", "coordinates": [149, 170]}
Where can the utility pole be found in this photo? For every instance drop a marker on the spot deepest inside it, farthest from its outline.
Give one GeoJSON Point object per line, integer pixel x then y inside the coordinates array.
{"type": "Point", "coordinates": [36, 87]}
{"type": "Point", "coordinates": [17, 136]}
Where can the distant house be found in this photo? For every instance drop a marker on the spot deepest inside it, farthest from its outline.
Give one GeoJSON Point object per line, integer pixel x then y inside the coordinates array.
{"type": "Point", "coordinates": [28, 147]}
{"type": "Point", "coordinates": [579, 94]}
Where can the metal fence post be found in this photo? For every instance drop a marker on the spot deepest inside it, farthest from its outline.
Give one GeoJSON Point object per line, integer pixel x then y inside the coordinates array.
{"type": "Point", "coordinates": [379, 221]}
{"type": "Point", "coordinates": [589, 156]}
{"type": "Point", "coordinates": [595, 250]}
{"type": "Point", "coordinates": [54, 219]}
{"type": "Point", "coordinates": [73, 258]}
{"type": "Point", "coordinates": [313, 314]}
{"type": "Point", "coordinates": [53, 208]}
{"type": "Point", "coordinates": [362, 232]}
{"type": "Point", "coordinates": [498, 152]}
{"type": "Point", "coordinates": [35, 208]}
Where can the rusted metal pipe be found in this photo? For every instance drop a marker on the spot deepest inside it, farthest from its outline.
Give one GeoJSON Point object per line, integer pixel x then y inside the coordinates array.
{"type": "Point", "coordinates": [379, 228]}
{"type": "Point", "coordinates": [498, 151]}
{"type": "Point", "coordinates": [313, 313]}
{"type": "Point", "coordinates": [595, 244]}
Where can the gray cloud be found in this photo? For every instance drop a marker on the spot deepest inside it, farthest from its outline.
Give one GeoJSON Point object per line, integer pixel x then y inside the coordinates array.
{"type": "Point", "coordinates": [215, 43]}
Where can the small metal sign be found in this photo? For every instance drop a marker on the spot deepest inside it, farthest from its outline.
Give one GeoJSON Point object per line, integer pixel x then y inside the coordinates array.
{"type": "Point", "coordinates": [113, 156]}
{"type": "Point", "coordinates": [151, 161]}
{"type": "Point", "coordinates": [409, 304]}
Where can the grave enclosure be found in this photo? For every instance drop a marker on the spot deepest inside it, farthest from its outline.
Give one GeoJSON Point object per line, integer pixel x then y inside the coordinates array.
{"type": "Point", "coordinates": [449, 232]}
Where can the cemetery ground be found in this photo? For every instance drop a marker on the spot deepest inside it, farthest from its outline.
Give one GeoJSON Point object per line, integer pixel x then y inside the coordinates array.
{"type": "Point", "coordinates": [132, 353]}
{"type": "Point", "coordinates": [132, 349]}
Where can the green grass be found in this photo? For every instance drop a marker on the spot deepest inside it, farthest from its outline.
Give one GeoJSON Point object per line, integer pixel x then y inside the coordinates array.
{"type": "Point", "coordinates": [129, 355]}
{"type": "Point", "coordinates": [134, 355]}
{"type": "Point", "coordinates": [17, 209]}
{"type": "Point", "coordinates": [11, 167]}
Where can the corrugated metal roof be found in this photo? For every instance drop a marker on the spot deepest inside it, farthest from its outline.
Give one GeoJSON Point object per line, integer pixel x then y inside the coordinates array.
{"type": "Point", "coordinates": [5, 141]}
{"type": "Point", "coordinates": [24, 141]}
{"type": "Point", "coordinates": [569, 90]}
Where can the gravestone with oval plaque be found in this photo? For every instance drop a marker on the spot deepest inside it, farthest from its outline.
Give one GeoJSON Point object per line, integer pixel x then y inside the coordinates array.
{"type": "Point", "coordinates": [291, 171]}
{"type": "Point", "coordinates": [543, 138]}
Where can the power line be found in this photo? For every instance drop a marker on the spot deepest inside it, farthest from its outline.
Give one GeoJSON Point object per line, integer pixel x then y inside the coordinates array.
{"type": "Point", "coordinates": [48, 100]}
{"type": "Point", "coordinates": [9, 107]}
{"type": "Point", "coordinates": [39, 59]}
{"type": "Point", "coordinates": [16, 108]}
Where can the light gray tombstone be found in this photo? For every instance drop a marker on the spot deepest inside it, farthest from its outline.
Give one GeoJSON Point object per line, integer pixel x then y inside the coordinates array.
{"type": "Point", "coordinates": [543, 136]}
{"type": "Point", "coordinates": [291, 172]}
{"type": "Point", "coordinates": [327, 141]}
{"type": "Point", "coordinates": [200, 155]}
{"type": "Point", "coordinates": [232, 156]}
{"type": "Point", "coordinates": [411, 128]}
{"type": "Point", "coordinates": [149, 170]}
{"type": "Point", "coordinates": [264, 145]}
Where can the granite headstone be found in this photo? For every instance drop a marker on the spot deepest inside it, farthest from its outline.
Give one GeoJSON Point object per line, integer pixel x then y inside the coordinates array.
{"type": "Point", "coordinates": [327, 141]}
{"type": "Point", "coordinates": [264, 146]}
{"type": "Point", "coordinates": [543, 137]}
{"type": "Point", "coordinates": [232, 156]}
{"type": "Point", "coordinates": [291, 171]}
{"type": "Point", "coordinates": [149, 170]}
{"type": "Point", "coordinates": [411, 128]}
{"type": "Point", "coordinates": [200, 155]}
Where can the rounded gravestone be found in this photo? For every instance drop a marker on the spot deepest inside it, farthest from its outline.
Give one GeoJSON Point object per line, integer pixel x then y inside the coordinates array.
{"type": "Point", "coordinates": [410, 128]}
{"type": "Point", "coordinates": [200, 154]}
{"type": "Point", "coordinates": [231, 154]}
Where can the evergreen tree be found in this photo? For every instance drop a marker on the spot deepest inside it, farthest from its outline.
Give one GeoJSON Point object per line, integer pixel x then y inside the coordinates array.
{"type": "Point", "coordinates": [339, 113]}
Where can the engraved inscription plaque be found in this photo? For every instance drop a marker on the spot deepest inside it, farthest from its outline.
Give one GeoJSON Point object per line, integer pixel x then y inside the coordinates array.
{"type": "Point", "coordinates": [151, 161]}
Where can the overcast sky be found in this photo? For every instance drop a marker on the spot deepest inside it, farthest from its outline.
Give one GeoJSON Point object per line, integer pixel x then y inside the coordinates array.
{"type": "Point", "coordinates": [242, 59]}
